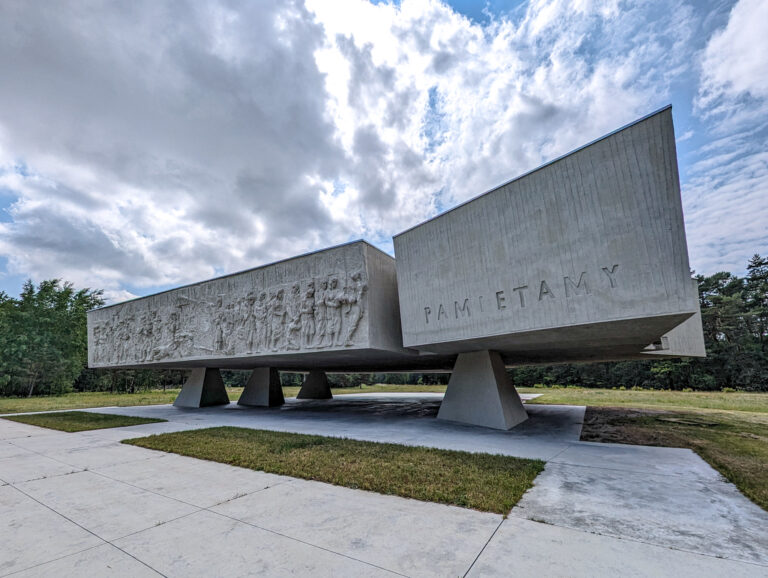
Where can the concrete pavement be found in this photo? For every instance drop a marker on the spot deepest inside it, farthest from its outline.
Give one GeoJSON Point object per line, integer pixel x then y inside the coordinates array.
{"type": "Point", "coordinates": [83, 504]}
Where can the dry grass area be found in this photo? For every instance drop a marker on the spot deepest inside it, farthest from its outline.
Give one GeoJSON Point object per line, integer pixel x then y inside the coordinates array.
{"type": "Point", "coordinates": [735, 442]}
{"type": "Point", "coordinates": [490, 483]}
{"type": "Point", "coordinates": [73, 421]}
{"type": "Point", "coordinates": [649, 398]}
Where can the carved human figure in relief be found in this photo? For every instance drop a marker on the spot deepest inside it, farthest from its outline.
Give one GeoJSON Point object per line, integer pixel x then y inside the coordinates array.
{"type": "Point", "coordinates": [145, 336]}
{"type": "Point", "coordinates": [277, 319]}
{"type": "Point", "coordinates": [353, 296]}
{"type": "Point", "coordinates": [321, 314]}
{"type": "Point", "coordinates": [249, 325]}
{"type": "Point", "coordinates": [308, 316]}
{"type": "Point", "coordinates": [260, 322]}
{"type": "Point", "coordinates": [230, 329]}
{"type": "Point", "coordinates": [293, 317]}
{"type": "Point", "coordinates": [99, 342]}
{"type": "Point", "coordinates": [334, 299]}
{"type": "Point", "coordinates": [219, 343]}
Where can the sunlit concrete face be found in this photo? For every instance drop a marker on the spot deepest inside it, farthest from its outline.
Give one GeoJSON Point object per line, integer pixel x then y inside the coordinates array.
{"type": "Point", "coordinates": [584, 258]}
{"type": "Point", "coordinates": [332, 309]}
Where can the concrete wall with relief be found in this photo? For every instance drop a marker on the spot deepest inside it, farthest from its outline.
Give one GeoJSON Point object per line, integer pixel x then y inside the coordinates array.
{"type": "Point", "coordinates": [583, 258]}
{"type": "Point", "coordinates": [332, 301]}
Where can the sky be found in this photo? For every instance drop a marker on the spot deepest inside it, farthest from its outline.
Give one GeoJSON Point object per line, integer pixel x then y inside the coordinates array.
{"type": "Point", "coordinates": [152, 143]}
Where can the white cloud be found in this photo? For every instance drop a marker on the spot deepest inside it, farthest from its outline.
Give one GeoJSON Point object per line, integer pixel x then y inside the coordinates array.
{"type": "Point", "coordinates": [727, 190]}
{"type": "Point", "coordinates": [735, 66]}
{"type": "Point", "coordinates": [167, 143]}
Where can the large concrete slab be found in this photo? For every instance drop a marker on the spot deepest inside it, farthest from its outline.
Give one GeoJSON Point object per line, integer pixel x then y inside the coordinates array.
{"type": "Point", "coordinates": [602, 509]}
{"type": "Point", "coordinates": [526, 548]}
{"type": "Point", "coordinates": [206, 544]}
{"type": "Point", "coordinates": [31, 533]}
{"type": "Point", "coordinates": [331, 309]}
{"type": "Point", "coordinates": [709, 517]}
{"type": "Point", "coordinates": [376, 529]}
{"type": "Point", "coordinates": [108, 508]}
{"type": "Point", "coordinates": [584, 258]}
{"type": "Point", "coordinates": [195, 482]}
{"type": "Point", "coordinates": [396, 418]}
{"type": "Point", "coordinates": [101, 561]}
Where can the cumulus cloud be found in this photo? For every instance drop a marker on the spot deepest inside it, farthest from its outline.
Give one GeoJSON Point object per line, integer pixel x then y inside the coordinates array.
{"type": "Point", "coordinates": [727, 187]}
{"type": "Point", "coordinates": [155, 143]}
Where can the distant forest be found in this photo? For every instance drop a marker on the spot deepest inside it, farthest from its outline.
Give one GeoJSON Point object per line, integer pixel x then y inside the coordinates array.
{"type": "Point", "coordinates": [43, 348]}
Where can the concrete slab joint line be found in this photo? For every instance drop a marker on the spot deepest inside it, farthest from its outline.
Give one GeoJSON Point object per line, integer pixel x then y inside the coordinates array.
{"type": "Point", "coordinates": [315, 386]}
{"type": "Point", "coordinates": [480, 393]}
{"type": "Point", "coordinates": [263, 389]}
{"type": "Point", "coordinates": [203, 388]}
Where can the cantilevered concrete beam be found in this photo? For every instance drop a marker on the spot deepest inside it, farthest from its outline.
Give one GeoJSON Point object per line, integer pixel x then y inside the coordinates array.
{"type": "Point", "coordinates": [203, 388]}
{"type": "Point", "coordinates": [263, 388]}
{"type": "Point", "coordinates": [315, 386]}
{"type": "Point", "coordinates": [480, 393]}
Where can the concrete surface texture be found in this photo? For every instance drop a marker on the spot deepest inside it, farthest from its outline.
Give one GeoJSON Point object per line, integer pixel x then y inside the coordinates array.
{"type": "Point", "coordinates": [262, 388]}
{"type": "Point", "coordinates": [335, 309]}
{"type": "Point", "coordinates": [83, 504]}
{"type": "Point", "coordinates": [480, 393]}
{"type": "Point", "coordinates": [584, 258]}
{"type": "Point", "coordinates": [315, 386]}
{"type": "Point", "coordinates": [203, 387]}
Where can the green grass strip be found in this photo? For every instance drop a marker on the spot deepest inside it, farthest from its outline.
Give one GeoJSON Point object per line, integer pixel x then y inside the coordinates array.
{"type": "Point", "coordinates": [74, 421]}
{"type": "Point", "coordinates": [491, 483]}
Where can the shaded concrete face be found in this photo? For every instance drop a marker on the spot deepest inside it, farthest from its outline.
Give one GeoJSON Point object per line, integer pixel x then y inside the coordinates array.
{"type": "Point", "coordinates": [315, 386]}
{"type": "Point", "coordinates": [335, 308]}
{"type": "Point", "coordinates": [584, 258]}
{"type": "Point", "coordinates": [480, 393]}
{"type": "Point", "coordinates": [262, 389]}
{"type": "Point", "coordinates": [204, 387]}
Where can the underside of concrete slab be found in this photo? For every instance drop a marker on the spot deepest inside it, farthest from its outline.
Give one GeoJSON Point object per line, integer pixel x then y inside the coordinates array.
{"type": "Point", "coordinates": [203, 388]}
{"type": "Point", "coordinates": [480, 393]}
{"type": "Point", "coordinates": [263, 388]}
{"type": "Point", "coordinates": [315, 386]}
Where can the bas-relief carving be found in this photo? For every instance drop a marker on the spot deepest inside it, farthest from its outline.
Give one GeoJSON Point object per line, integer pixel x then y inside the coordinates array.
{"type": "Point", "coordinates": [315, 313]}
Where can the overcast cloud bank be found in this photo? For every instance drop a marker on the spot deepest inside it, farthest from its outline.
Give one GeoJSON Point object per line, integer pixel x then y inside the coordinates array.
{"type": "Point", "coordinates": [153, 143]}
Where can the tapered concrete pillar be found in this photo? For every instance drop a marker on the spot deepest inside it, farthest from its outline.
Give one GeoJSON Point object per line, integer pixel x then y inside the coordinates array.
{"type": "Point", "coordinates": [263, 389]}
{"type": "Point", "coordinates": [203, 388]}
{"type": "Point", "coordinates": [315, 386]}
{"type": "Point", "coordinates": [480, 393]}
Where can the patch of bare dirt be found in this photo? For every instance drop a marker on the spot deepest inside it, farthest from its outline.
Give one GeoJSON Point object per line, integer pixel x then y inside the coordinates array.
{"type": "Point", "coordinates": [615, 425]}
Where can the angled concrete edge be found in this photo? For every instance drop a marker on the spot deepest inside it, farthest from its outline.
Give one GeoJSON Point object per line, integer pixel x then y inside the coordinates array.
{"type": "Point", "coordinates": [315, 386]}
{"type": "Point", "coordinates": [263, 389]}
{"type": "Point", "coordinates": [480, 393]}
{"type": "Point", "coordinates": [203, 388]}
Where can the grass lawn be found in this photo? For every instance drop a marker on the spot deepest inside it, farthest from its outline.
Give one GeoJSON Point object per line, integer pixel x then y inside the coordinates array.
{"type": "Point", "coordinates": [683, 400]}
{"type": "Point", "coordinates": [72, 421]}
{"type": "Point", "coordinates": [733, 442]}
{"type": "Point", "coordinates": [490, 483]}
{"type": "Point", "coordinates": [157, 397]}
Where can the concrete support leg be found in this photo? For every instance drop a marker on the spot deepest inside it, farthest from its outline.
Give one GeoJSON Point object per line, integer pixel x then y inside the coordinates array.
{"type": "Point", "coordinates": [315, 386]}
{"type": "Point", "coordinates": [263, 389]}
{"type": "Point", "coordinates": [204, 387]}
{"type": "Point", "coordinates": [480, 393]}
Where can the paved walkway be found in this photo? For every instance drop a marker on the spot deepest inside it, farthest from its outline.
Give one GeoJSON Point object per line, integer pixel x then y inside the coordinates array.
{"type": "Point", "coordinates": [86, 505]}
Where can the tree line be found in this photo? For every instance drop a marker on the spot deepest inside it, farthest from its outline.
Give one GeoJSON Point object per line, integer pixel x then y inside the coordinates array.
{"type": "Point", "coordinates": [44, 350]}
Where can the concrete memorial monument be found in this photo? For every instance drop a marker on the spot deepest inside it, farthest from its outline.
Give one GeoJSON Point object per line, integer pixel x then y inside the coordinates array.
{"type": "Point", "coordinates": [582, 259]}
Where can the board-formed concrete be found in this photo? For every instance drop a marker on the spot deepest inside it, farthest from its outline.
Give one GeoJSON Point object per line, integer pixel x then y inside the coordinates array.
{"type": "Point", "coordinates": [582, 259]}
